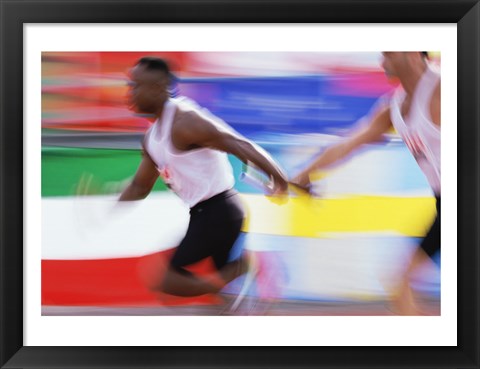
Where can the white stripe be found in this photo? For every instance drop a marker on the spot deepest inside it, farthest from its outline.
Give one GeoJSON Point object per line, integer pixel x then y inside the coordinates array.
{"type": "Point", "coordinates": [86, 227]}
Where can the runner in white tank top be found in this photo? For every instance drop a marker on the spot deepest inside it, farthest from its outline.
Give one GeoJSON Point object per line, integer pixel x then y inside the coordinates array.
{"type": "Point", "coordinates": [414, 111]}
{"type": "Point", "coordinates": [417, 130]}
{"type": "Point", "coordinates": [187, 146]}
{"type": "Point", "coordinates": [194, 175]}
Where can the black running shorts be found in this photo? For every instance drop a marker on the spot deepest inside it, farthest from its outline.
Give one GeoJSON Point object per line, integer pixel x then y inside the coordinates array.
{"type": "Point", "coordinates": [214, 226]}
{"type": "Point", "coordinates": [431, 242]}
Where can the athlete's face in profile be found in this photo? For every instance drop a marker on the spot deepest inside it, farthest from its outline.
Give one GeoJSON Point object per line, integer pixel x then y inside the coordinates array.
{"type": "Point", "coordinates": [148, 90]}
{"type": "Point", "coordinates": [393, 62]}
{"type": "Point", "coordinates": [398, 64]}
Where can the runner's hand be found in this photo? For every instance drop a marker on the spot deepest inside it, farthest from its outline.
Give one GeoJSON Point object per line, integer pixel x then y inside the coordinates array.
{"type": "Point", "coordinates": [302, 180]}
{"type": "Point", "coordinates": [280, 187]}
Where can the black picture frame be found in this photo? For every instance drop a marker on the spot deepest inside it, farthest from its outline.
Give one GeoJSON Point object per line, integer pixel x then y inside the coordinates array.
{"type": "Point", "coordinates": [14, 14]}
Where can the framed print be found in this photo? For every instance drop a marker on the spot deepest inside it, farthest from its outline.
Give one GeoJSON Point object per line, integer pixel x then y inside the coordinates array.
{"type": "Point", "coordinates": [66, 69]}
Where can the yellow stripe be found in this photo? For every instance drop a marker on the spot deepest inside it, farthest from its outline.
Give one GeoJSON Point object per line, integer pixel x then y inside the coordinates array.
{"type": "Point", "coordinates": [308, 217]}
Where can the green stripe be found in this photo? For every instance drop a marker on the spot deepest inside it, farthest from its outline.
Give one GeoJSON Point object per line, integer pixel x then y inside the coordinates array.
{"type": "Point", "coordinates": [62, 169]}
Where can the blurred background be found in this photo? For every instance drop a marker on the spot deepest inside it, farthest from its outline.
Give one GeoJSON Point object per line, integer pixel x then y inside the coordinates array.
{"type": "Point", "coordinates": [318, 256]}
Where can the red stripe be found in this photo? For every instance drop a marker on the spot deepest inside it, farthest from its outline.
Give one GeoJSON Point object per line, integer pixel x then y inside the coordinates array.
{"type": "Point", "coordinates": [111, 282]}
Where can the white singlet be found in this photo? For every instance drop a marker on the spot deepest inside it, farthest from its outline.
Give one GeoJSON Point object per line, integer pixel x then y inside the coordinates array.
{"type": "Point", "coordinates": [195, 175]}
{"type": "Point", "coordinates": [417, 130]}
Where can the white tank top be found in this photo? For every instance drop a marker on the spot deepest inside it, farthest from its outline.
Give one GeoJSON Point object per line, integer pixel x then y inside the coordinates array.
{"type": "Point", "coordinates": [418, 131]}
{"type": "Point", "coordinates": [194, 175]}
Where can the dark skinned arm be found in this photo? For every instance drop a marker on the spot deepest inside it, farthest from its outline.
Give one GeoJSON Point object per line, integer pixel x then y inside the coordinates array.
{"type": "Point", "coordinates": [142, 182]}
{"type": "Point", "coordinates": [193, 130]}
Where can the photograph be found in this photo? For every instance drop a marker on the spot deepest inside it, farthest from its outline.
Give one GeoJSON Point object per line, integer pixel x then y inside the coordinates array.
{"type": "Point", "coordinates": [271, 183]}
{"type": "Point", "coordinates": [231, 184]}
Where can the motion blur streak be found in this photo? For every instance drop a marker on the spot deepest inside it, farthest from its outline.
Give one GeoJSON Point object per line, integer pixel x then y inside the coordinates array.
{"type": "Point", "coordinates": [347, 244]}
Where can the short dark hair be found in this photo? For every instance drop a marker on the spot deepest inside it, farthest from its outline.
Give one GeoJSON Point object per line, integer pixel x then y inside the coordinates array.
{"type": "Point", "coordinates": [155, 64]}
